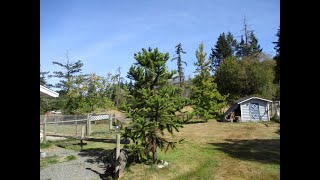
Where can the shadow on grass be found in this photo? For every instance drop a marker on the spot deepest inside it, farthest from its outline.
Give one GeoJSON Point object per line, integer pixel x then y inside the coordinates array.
{"type": "Point", "coordinates": [260, 150]}
{"type": "Point", "coordinates": [105, 140]}
{"type": "Point", "coordinates": [195, 122]}
{"type": "Point", "coordinates": [97, 155]}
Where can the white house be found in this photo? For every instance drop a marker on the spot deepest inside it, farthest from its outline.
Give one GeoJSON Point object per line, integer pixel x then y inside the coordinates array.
{"type": "Point", "coordinates": [45, 92]}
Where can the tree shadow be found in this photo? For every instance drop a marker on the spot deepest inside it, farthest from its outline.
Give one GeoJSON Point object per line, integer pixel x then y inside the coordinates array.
{"type": "Point", "coordinates": [108, 175]}
{"type": "Point", "coordinates": [122, 141]}
{"type": "Point", "coordinates": [260, 150]}
{"type": "Point", "coordinates": [105, 156]}
{"type": "Point", "coordinates": [99, 155]}
{"type": "Point", "coordinates": [195, 122]}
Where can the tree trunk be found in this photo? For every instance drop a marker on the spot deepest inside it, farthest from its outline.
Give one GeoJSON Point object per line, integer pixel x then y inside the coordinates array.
{"type": "Point", "coordinates": [154, 154]}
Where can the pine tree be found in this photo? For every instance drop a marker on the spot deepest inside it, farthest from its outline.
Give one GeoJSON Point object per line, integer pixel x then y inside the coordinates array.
{"type": "Point", "coordinates": [179, 50]}
{"type": "Point", "coordinates": [277, 57]}
{"type": "Point", "coordinates": [248, 45]}
{"type": "Point", "coordinates": [70, 70]}
{"type": "Point", "coordinates": [70, 80]}
{"type": "Point", "coordinates": [152, 105]}
{"type": "Point", "coordinates": [224, 47]}
{"type": "Point", "coordinates": [43, 78]}
{"type": "Point", "coordinates": [206, 98]}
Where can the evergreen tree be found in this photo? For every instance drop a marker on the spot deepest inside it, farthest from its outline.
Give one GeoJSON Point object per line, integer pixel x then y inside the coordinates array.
{"type": "Point", "coordinates": [224, 47]}
{"type": "Point", "coordinates": [70, 79]}
{"type": "Point", "coordinates": [248, 45]}
{"type": "Point", "coordinates": [179, 50]}
{"type": "Point", "coordinates": [152, 105]}
{"type": "Point", "coordinates": [206, 98]}
{"type": "Point", "coordinates": [70, 70]}
{"type": "Point", "coordinates": [44, 102]}
{"type": "Point", "coordinates": [277, 58]}
{"type": "Point", "coordinates": [43, 78]}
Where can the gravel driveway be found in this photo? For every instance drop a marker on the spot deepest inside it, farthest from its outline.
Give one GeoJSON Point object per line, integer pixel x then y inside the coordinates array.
{"type": "Point", "coordinates": [85, 167]}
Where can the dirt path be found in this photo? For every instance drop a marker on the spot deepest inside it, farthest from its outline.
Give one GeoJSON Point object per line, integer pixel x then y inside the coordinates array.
{"type": "Point", "coordinates": [84, 167]}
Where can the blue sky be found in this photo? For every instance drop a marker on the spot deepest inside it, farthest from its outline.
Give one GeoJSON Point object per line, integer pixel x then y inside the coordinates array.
{"type": "Point", "coordinates": [106, 34]}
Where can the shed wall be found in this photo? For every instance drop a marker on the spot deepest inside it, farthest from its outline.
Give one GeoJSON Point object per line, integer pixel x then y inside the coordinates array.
{"type": "Point", "coordinates": [263, 110]}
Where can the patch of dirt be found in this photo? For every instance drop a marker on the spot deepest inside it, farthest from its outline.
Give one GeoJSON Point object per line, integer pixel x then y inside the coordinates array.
{"type": "Point", "coordinates": [54, 138]}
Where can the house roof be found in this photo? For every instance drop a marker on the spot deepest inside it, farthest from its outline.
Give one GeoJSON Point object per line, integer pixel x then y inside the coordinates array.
{"type": "Point", "coordinates": [45, 92]}
{"type": "Point", "coordinates": [241, 100]}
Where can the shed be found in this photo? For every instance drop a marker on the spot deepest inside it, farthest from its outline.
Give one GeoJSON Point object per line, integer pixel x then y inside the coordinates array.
{"type": "Point", "coordinates": [249, 109]}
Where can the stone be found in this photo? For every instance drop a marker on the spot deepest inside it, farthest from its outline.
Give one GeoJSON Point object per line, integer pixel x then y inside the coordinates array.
{"type": "Point", "coordinates": [165, 163]}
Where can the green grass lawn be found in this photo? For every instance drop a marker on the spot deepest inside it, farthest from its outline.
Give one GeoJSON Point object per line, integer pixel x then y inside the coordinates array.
{"type": "Point", "coordinates": [217, 150]}
{"type": "Point", "coordinates": [212, 150]}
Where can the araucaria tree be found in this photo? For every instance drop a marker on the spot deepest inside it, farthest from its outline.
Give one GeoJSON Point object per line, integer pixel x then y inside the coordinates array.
{"type": "Point", "coordinates": [206, 98]}
{"type": "Point", "coordinates": [152, 105]}
{"type": "Point", "coordinates": [179, 63]}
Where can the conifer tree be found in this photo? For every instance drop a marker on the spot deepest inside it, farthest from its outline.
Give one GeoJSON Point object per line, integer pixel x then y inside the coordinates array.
{"type": "Point", "coordinates": [206, 97]}
{"type": "Point", "coordinates": [179, 63]}
{"type": "Point", "coordinates": [152, 105]}
{"type": "Point", "coordinates": [224, 47]}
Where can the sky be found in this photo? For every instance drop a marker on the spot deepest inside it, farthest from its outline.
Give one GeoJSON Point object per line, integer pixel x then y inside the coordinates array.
{"type": "Point", "coordinates": [104, 35]}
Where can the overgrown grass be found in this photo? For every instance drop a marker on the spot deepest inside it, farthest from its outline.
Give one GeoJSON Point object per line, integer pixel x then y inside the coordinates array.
{"type": "Point", "coordinates": [45, 145]}
{"type": "Point", "coordinates": [217, 150]}
{"type": "Point", "coordinates": [70, 158]}
{"type": "Point", "coordinates": [48, 160]}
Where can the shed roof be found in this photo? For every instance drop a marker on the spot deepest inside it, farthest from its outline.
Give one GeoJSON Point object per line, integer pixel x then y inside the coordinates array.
{"type": "Point", "coordinates": [241, 100]}
{"type": "Point", "coordinates": [45, 92]}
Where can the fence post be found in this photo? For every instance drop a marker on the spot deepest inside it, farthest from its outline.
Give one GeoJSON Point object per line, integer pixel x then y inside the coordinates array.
{"type": "Point", "coordinates": [272, 109]}
{"type": "Point", "coordinates": [88, 125]}
{"type": "Point", "coordinates": [82, 131]}
{"type": "Point", "coordinates": [45, 127]}
{"type": "Point", "coordinates": [110, 122]}
{"type": "Point", "coordinates": [76, 128]}
{"type": "Point", "coordinates": [117, 156]}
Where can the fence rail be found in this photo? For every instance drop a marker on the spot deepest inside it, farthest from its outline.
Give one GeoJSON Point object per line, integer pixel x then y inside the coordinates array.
{"type": "Point", "coordinates": [77, 126]}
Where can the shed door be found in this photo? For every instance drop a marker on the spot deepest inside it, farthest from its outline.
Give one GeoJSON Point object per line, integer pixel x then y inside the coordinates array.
{"type": "Point", "coordinates": [254, 111]}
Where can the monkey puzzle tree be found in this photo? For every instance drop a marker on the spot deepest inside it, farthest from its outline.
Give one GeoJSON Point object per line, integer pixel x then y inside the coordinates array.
{"type": "Point", "coordinates": [152, 105]}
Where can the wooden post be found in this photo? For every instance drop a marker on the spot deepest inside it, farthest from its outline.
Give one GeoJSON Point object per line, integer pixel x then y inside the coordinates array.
{"type": "Point", "coordinates": [88, 125]}
{"type": "Point", "coordinates": [271, 110]}
{"type": "Point", "coordinates": [82, 131]}
{"type": "Point", "coordinates": [117, 156]}
{"type": "Point", "coordinates": [76, 128]}
{"type": "Point", "coordinates": [110, 122]}
{"type": "Point", "coordinates": [45, 127]}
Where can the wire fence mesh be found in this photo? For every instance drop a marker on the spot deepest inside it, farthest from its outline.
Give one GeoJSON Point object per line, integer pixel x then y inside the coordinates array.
{"type": "Point", "coordinates": [74, 125]}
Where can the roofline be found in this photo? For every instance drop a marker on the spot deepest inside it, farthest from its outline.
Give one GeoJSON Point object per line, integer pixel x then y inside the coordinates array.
{"type": "Point", "coordinates": [48, 92]}
{"type": "Point", "coordinates": [253, 98]}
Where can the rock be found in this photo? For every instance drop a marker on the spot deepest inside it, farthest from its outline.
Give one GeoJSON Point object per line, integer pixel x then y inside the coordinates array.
{"type": "Point", "coordinates": [43, 154]}
{"type": "Point", "coordinates": [165, 163]}
{"type": "Point", "coordinates": [160, 166]}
